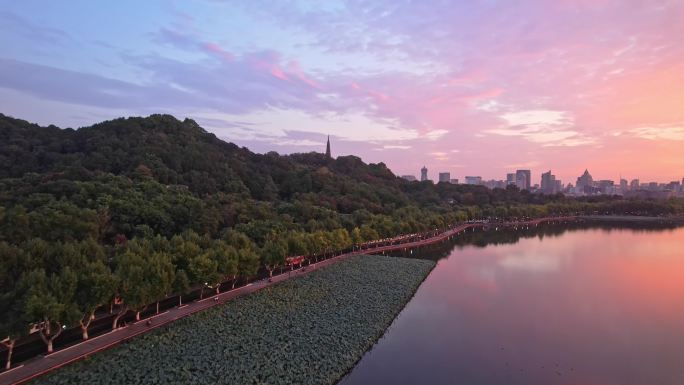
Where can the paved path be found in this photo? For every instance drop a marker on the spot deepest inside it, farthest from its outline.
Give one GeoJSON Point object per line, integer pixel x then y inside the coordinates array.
{"type": "Point", "coordinates": [42, 364]}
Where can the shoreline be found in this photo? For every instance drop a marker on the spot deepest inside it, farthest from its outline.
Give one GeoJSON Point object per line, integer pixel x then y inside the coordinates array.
{"type": "Point", "coordinates": [310, 330]}
{"type": "Point", "coordinates": [634, 218]}
{"type": "Point", "coordinates": [394, 318]}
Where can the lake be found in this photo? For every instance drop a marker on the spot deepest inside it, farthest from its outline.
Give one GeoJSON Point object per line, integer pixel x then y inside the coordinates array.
{"type": "Point", "coordinates": [554, 305]}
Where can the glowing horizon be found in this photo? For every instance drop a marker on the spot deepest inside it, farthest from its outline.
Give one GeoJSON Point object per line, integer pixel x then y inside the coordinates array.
{"type": "Point", "coordinates": [471, 88]}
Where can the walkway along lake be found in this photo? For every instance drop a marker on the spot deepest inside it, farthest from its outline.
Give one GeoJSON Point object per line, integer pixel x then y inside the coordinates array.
{"type": "Point", "coordinates": [571, 304]}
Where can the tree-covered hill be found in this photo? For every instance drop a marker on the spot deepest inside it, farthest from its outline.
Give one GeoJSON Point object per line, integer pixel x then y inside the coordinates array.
{"type": "Point", "coordinates": [160, 175]}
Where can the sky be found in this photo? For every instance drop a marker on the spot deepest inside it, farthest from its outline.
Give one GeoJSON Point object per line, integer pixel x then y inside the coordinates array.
{"type": "Point", "coordinates": [468, 87]}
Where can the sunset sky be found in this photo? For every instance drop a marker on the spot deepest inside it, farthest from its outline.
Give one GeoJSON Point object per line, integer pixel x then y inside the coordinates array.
{"type": "Point", "coordinates": [470, 87]}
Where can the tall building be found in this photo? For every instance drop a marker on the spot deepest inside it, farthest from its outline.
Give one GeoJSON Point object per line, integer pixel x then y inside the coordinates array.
{"type": "Point", "coordinates": [523, 179]}
{"type": "Point", "coordinates": [585, 180]}
{"type": "Point", "coordinates": [444, 177]}
{"type": "Point", "coordinates": [473, 180]}
{"type": "Point", "coordinates": [623, 185]}
{"type": "Point", "coordinates": [327, 149]}
{"type": "Point", "coordinates": [548, 183]}
{"type": "Point", "coordinates": [634, 184]}
{"type": "Point", "coordinates": [606, 186]}
{"type": "Point", "coordinates": [423, 174]}
{"type": "Point", "coordinates": [510, 178]}
{"type": "Point", "coordinates": [453, 181]}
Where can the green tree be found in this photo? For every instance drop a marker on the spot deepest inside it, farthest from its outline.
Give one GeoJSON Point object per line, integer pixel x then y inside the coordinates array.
{"type": "Point", "coordinates": [273, 254]}
{"type": "Point", "coordinates": [50, 302]}
{"type": "Point", "coordinates": [96, 287]}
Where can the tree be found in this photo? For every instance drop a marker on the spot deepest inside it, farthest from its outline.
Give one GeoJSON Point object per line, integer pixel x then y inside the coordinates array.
{"type": "Point", "coordinates": [227, 260]}
{"type": "Point", "coordinates": [356, 236]}
{"type": "Point", "coordinates": [203, 269]}
{"type": "Point", "coordinates": [12, 321]}
{"type": "Point", "coordinates": [160, 275]}
{"type": "Point", "coordinates": [248, 263]}
{"type": "Point", "coordinates": [50, 302]}
{"type": "Point", "coordinates": [96, 287]}
{"type": "Point", "coordinates": [133, 287]}
{"type": "Point", "coordinates": [273, 254]}
{"type": "Point", "coordinates": [181, 284]}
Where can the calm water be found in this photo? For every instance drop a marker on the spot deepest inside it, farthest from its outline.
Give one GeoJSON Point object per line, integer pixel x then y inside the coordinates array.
{"type": "Point", "coordinates": [581, 307]}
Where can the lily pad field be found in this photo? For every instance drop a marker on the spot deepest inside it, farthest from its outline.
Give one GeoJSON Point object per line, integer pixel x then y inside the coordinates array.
{"type": "Point", "coordinates": [307, 330]}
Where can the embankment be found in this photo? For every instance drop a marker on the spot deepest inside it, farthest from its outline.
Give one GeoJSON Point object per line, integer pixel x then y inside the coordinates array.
{"type": "Point", "coordinates": [308, 330]}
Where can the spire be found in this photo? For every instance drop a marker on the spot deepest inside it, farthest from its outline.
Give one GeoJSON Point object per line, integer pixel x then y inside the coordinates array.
{"type": "Point", "coordinates": [327, 149]}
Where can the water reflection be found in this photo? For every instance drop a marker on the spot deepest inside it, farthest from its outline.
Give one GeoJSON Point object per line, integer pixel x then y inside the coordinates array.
{"type": "Point", "coordinates": [592, 304]}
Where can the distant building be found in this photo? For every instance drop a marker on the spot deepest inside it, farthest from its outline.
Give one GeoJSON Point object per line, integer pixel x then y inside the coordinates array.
{"type": "Point", "coordinates": [492, 184]}
{"type": "Point", "coordinates": [423, 174]}
{"type": "Point", "coordinates": [523, 179]}
{"type": "Point", "coordinates": [453, 181]}
{"type": "Point", "coordinates": [510, 178]}
{"type": "Point", "coordinates": [606, 186]}
{"type": "Point", "coordinates": [444, 177]}
{"type": "Point", "coordinates": [473, 180]}
{"type": "Point", "coordinates": [634, 184]}
{"type": "Point", "coordinates": [327, 149]}
{"type": "Point", "coordinates": [548, 183]}
{"type": "Point", "coordinates": [584, 182]}
{"type": "Point", "coordinates": [410, 178]}
{"type": "Point", "coordinates": [623, 185]}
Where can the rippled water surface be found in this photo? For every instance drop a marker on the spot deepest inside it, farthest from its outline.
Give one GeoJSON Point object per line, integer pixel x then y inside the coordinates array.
{"type": "Point", "coordinates": [585, 306]}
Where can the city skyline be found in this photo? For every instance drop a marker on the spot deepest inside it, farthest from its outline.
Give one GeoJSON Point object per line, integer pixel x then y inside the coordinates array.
{"type": "Point", "coordinates": [534, 173]}
{"type": "Point", "coordinates": [465, 87]}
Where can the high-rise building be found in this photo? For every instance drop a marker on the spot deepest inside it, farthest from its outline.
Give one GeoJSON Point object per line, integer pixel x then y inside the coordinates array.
{"type": "Point", "coordinates": [453, 181]}
{"type": "Point", "coordinates": [510, 178]}
{"type": "Point", "coordinates": [623, 185]}
{"type": "Point", "coordinates": [523, 179]}
{"type": "Point", "coordinates": [634, 184]}
{"type": "Point", "coordinates": [473, 180]}
{"type": "Point", "coordinates": [606, 186]}
{"type": "Point", "coordinates": [423, 174]}
{"type": "Point", "coordinates": [409, 178]}
{"type": "Point", "coordinates": [584, 181]}
{"type": "Point", "coordinates": [548, 183]}
{"type": "Point", "coordinates": [444, 177]}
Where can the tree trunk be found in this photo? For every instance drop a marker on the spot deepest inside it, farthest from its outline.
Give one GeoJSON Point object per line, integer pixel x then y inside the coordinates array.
{"type": "Point", "coordinates": [45, 335]}
{"type": "Point", "coordinates": [157, 307]}
{"type": "Point", "coordinates": [85, 324]}
{"type": "Point", "coordinates": [10, 348]}
{"type": "Point", "coordinates": [218, 288]}
{"type": "Point", "coordinates": [180, 300]}
{"type": "Point", "coordinates": [121, 312]}
{"type": "Point", "coordinates": [234, 281]}
{"type": "Point", "coordinates": [137, 315]}
{"type": "Point", "coordinates": [202, 293]}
